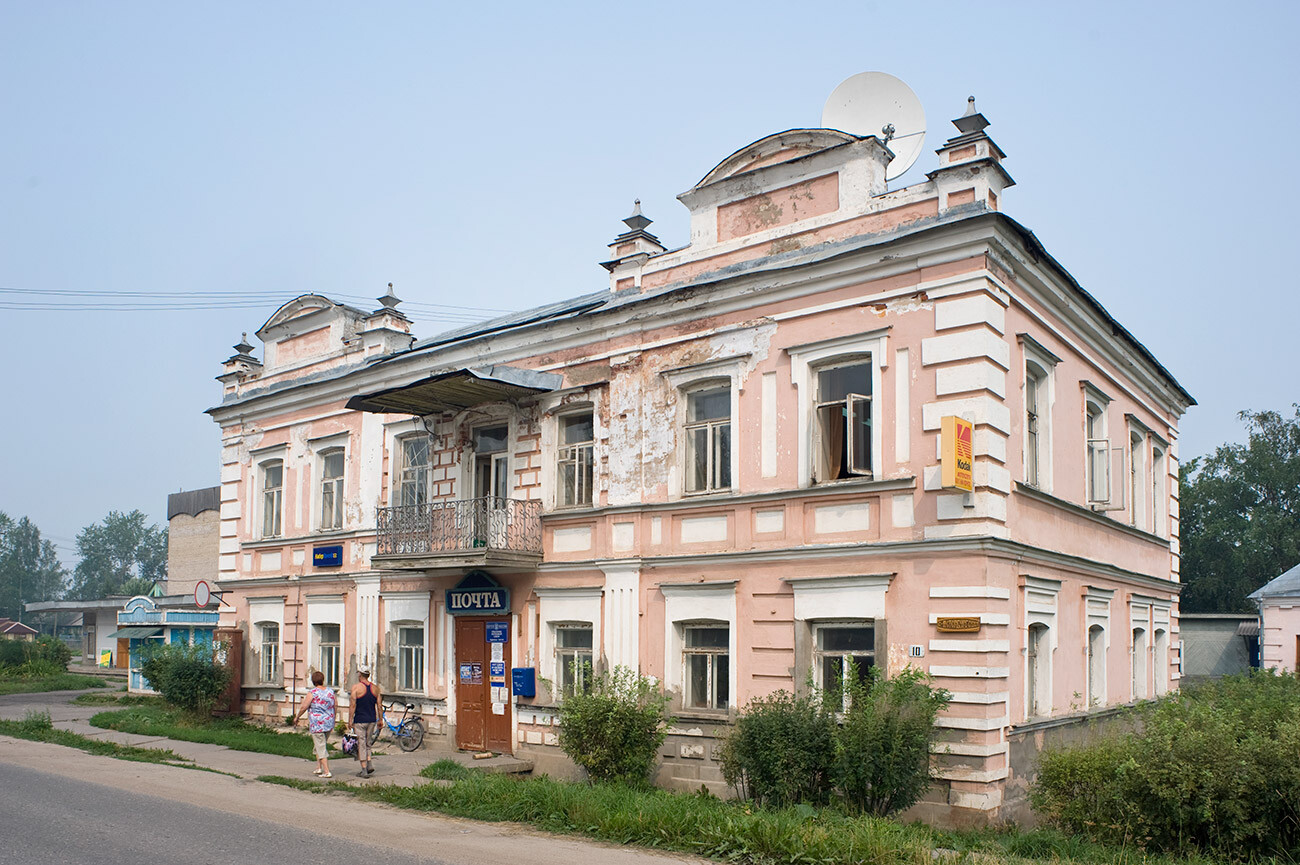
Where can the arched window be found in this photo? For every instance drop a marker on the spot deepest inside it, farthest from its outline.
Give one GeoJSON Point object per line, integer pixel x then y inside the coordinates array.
{"type": "Point", "coordinates": [1139, 664]}
{"type": "Point", "coordinates": [1160, 646]}
{"type": "Point", "coordinates": [1096, 666]}
{"type": "Point", "coordinates": [1035, 424]}
{"type": "Point", "coordinates": [331, 489]}
{"type": "Point", "coordinates": [272, 497]}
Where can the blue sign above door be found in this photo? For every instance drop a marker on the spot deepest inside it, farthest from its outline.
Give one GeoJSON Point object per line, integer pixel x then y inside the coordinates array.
{"type": "Point", "coordinates": [478, 595]}
{"type": "Point", "coordinates": [497, 632]}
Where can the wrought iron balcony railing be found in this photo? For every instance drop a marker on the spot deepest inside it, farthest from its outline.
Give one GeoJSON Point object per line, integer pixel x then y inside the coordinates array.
{"type": "Point", "coordinates": [461, 526]}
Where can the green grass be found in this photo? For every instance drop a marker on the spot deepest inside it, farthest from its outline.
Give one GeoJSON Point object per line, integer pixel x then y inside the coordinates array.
{"type": "Point", "coordinates": [154, 719]}
{"type": "Point", "coordinates": [41, 684]}
{"type": "Point", "coordinates": [115, 699]}
{"type": "Point", "coordinates": [37, 727]}
{"type": "Point", "coordinates": [726, 831]}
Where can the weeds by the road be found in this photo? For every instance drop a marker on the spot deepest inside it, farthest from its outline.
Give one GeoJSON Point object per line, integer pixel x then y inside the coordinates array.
{"type": "Point", "coordinates": [154, 719]}
{"type": "Point", "coordinates": [727, 831]}
{"type": "Point", "coordinates": [11, 684]}
{"type": "Point", "coordinates": [38, 727]}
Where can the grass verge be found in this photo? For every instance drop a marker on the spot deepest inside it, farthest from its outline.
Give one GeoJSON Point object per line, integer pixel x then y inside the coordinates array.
{"type": "Point", "coordinates": [115, 699]}
{"type": "Point", "coordinates": [154, 719]}
{"type": "Point", "coordinates": [37, 727]}
{"type": "Point", "coordinates": [42, 684]}
{"type": "Point", "coordinates": [725, 831]}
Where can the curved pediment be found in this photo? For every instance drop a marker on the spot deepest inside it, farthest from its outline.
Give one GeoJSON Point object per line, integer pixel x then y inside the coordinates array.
{"type": "Point", "coordinates": [774, 149]}
{"type": "Point", "coordinates": [302, 305]}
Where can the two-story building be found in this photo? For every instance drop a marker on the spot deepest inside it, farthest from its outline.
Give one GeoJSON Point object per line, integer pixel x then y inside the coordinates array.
{"type": "Point", "coordinates": [723, 468]}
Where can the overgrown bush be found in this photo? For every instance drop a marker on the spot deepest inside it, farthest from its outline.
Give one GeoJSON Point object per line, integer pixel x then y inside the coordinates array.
{"type": "Point", "coordinates": [781, 750]}
{"type": "Point", "coordinates": [614, 731]}
{"type": "Point", "coordinates": [185, 676]}
{"type": "Point", "coordinates": [1213, 768]}
{"type": "Point", "coordinates": [882, 748]}
{"type": "Point", "coordinates": [46, 651]}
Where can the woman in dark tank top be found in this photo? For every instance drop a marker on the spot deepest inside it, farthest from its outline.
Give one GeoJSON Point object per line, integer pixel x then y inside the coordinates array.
{"type": "Point", "coordinates": [364, 713]}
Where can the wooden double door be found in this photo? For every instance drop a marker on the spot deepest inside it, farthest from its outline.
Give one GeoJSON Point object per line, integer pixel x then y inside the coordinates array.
{"type": "Point", "coordinates": [481, 725]}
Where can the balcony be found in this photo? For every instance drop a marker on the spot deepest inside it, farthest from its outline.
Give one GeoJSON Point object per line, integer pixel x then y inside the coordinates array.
{"type": "Point", "coordinates": [486, 532]}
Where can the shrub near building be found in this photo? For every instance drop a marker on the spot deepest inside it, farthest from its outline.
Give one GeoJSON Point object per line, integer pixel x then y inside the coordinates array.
{"type": "Point", "coordinates": [186, 676]}
{"type": "Point", "coordinates": [1213, 769]}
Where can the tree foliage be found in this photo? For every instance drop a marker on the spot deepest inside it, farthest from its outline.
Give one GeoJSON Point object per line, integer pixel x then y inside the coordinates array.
{"type": "Point", "coordinates": [1240, 514]}
{"type": "Point", "coordinates": [29, 566]}
{"type": "Point", "coordinates": [614, 730]}
{"type": "Point", "coordinates": [119, 555]}
{"type": "Point", "coordinates": [186, 676]}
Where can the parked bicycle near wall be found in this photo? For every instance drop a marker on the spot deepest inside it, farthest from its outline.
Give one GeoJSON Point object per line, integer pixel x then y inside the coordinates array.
{"type": "Point", "coordinates": [408, 731]}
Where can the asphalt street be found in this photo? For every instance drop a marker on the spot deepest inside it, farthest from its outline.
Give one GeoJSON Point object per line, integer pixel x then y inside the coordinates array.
{"type": "Point", "coordinates": [47, 819]}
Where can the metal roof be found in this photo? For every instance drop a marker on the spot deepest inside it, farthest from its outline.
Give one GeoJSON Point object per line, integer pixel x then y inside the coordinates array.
{"type": "Point", "coordinates": [457, 390]}
{"type": "Point", "coordinates": [1286, 584]}
{"type": "Point", "coordinates": [135, 633]}
{"type": "Point", "coordinates": [194, 502]}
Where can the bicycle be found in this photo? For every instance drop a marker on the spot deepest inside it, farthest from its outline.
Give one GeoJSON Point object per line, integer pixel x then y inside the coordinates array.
{"type": "Point", "coordinates": [408, 731]}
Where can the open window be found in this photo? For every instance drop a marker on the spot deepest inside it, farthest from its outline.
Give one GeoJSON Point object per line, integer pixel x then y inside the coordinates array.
{"type": "Point", "coordinates": [842, 424]}
{"type": "Point", "coordinates": [1098, 456]}
{"type": "Point", "coordinates": [573, 656]}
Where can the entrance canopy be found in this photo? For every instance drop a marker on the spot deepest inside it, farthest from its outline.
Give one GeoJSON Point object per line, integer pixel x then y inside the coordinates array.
{"type": "Point", "coordinates": [135, 633]}
{"type": "Point", "coordinates": [457, 390]}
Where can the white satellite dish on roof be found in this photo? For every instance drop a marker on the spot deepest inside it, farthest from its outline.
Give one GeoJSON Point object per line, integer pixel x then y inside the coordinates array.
{"type": "Point", "coordinates": [876, 103]}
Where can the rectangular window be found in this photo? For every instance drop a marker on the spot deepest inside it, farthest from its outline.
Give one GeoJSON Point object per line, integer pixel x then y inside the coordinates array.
{"type": "Point", "coordinates": [410, 659]}
{"type": "Point", "coordinates": [491, 463]}
{"type": "Point", "coordinates": [413, 481]}
{"type": "Point", "coordinates": [1038, 683]}
{"type": "Point", "coordinates": [844, 650]}
{"type": "Point", "coordinates": [272, 496]}
{"type": "Point", "coordinates": [707, 664]}
{"type": "Point", "coordinates": [1035, 402]}
{"type": "Point", "coordinates": [270, 665]}
{"type": "Point", "coordinates": [1158, 472]}
{"type": "Point", "coordinates": [1098, 459]}
{"type": "Point", "coordinates": [1096, 666]}
{"type": "Point", "coordinates": [843, 422]}
{"type": "Point", "coordinates": [573, 658]}
{"type": "Point", "coordinates": [331, 490]}
{"type": "Point", "coordinates": [329, 653]}
{"type": "Point", "coordinates": [574, 464]}
{"type": "Point", "coordinates": [708, 440]}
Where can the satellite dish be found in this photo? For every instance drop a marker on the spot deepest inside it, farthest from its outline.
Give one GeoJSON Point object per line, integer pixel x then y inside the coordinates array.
{"type": "Point", "coordinates": [875, 103]}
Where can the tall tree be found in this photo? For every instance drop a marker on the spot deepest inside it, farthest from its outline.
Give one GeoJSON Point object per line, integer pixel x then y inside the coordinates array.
{"type": "Point", "coordinates": [1240, 514]}
{"type": "Point", "coordinates": [119, 555]}
{"type": "Point", "coordinates": [30, 569]}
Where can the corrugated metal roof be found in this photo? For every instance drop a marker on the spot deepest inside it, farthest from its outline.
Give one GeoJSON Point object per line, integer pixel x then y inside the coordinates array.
{"type": "Point", "coordinates": [1248, 629]}
{"type": "Point", "coordinates": [135, 633]}
{"type": "Point", "coordinates": [194, 502]}
{"type": "Point", "coordinates": [457, 390]}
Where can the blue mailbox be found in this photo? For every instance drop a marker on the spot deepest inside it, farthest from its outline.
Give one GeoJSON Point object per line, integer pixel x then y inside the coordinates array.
{"type": "Point", "coordinates": [523, 681]}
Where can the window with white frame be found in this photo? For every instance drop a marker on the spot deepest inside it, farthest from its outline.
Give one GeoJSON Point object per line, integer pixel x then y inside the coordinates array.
{"type": "Point", "coordinates": [269, 652]}
{"type": "Point", "coordinates": [492, 462]}
{"type": "Point", "coordinates": [329, 653]}
{"type": "Point", "coordinates": [1096, 666]}
{"type": "Point", "coordinates": [413, 477]}
{"type": "Point", "coordinates": [842, 431]}
{"type": "Point", "coordinates": [1137, 477]}
{"type": "Point", "coordinates": [272, 497]}
{"type": "Point", "coordinates": [410, 658]}
{"type": "Point", "coordinates": [842, 653]}
{"type": "Point", "coordinates": [1036, 424]}
{"type": "Point", "coordinates": [573, 657]}
{"type": "Point", "coordinates": [708, 440]}
{"type": "Point", "coordinates": [1097, 464]}
{"type": "Point", "coordinates": [706, 664]}
{"type": "Point", "coordinates": [575, 459]}
{"type": "Point", "coordinates": [1038, 658]}
{"type": "Point", "coordinates": [331, 489]}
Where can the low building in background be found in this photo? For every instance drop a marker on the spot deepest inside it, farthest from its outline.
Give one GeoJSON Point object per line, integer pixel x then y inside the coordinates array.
{"type": "Point", "coordinates": [193, 526]}
{"type": "Point", "coordinates": [844, 423]}
{"type": "Point", "coordinates": [170, 619]}
{"type": "Point", "coordinates": [1279, 620]}
{"type": "Point", "coordinates": [11, 630]}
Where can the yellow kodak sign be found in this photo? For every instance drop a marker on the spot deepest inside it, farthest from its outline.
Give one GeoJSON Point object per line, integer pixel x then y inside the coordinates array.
{"type": "Point", "coordinates": [957, 440]}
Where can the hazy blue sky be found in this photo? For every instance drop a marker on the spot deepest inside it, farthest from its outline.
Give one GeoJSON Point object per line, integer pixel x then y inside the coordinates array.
{"type": "Point", "coordinates": [483, 154]}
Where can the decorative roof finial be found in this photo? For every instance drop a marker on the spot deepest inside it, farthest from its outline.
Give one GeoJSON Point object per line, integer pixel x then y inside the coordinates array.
{"type": "Point", "coordinates": [972, 120]}
{"type": "Point", "coordinates": [243, 347]}
{"type": "Point", "coordinates": [389, 300]}
{"type": "Point", "coordinates": [637, 221]}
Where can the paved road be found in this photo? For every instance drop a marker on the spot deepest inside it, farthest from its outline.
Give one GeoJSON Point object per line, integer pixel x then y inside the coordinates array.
{"type": "Point", "coordinates": [59, 805]}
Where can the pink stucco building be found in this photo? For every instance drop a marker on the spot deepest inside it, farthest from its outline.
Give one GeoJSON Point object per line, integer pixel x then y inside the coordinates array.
{"type": "Point", "coordinates": [722, 468]}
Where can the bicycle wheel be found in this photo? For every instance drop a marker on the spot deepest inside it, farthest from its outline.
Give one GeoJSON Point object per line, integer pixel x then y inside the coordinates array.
{"type": "Point", "coordinates": [374, 733]}
{"type": "Point", "coordinates": [411, 735]}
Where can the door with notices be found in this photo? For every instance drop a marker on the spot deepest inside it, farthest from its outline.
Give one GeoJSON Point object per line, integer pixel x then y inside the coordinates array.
{"type": "Point", "coordinates": [483, 718]}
